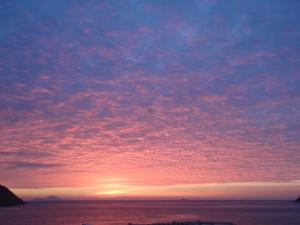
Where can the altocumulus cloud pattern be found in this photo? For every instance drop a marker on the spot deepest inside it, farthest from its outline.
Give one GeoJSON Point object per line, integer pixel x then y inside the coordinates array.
{"type": "Point", "coordinates": [197, 92]}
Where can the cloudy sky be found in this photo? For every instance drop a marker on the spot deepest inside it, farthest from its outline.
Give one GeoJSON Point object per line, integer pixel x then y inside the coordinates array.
{"type": "Point", "coordinates": [143, 99]}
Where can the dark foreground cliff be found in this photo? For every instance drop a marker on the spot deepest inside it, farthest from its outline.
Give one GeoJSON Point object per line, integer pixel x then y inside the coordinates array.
{"type": "Point", "coordinates": [8, 198]}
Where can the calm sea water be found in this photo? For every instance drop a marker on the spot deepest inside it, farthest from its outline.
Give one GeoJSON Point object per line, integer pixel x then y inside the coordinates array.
{"type": "Point", "coordinates": [122, 212]}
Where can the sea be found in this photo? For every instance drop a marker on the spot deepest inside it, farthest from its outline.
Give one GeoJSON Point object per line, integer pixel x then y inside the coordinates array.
{"type": "Point", "coordinates": [142, 212]}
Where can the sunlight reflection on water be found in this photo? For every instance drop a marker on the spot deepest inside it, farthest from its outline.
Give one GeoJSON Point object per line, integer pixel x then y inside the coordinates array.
{"type": "Point", "coordinates": [123, 212]}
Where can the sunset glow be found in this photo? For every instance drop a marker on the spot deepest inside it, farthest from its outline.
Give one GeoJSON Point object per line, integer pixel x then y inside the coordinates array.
{"type": "Point", "coordinates": [150, 99]}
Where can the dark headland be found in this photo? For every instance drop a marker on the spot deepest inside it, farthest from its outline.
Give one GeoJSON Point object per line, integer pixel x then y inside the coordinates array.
{"type": "Point", "coordinates": [8, 198]}
{"type": "Point", "coordinates": [297, 200]}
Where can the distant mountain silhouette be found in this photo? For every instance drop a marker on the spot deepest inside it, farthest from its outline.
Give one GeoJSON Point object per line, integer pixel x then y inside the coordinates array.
{"type": "Point", "coordinates": [297, 200]}
{"type": "Point", "coordinates": [48, 199]}
{"type": "Point", "coordinates": [8, 198]}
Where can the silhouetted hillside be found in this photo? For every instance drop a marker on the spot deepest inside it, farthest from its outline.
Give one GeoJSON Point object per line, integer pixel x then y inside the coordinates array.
{"type": "Point", "coordinates": [7, 198]}
{"type": "Point", "coordinates": [297, 200]}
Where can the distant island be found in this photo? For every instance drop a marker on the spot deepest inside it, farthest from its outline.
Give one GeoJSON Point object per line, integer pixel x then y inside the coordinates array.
{"type": "Point", "coordinates": [48, 199]}
{"type": "Point", "coordinates": [8, 198]}
{"type": "Point", "coordinates": [297, 200]}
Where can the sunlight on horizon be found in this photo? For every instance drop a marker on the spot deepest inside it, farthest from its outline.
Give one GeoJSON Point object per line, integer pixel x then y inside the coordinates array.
{"type": "Point", "coordinates": [209, 191]}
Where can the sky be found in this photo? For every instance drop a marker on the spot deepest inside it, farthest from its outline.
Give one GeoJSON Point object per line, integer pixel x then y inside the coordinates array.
{"type": "Point", "coordinates": [150, 99]}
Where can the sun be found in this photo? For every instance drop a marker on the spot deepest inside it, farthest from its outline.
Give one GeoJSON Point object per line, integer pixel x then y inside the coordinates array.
{"type": "Point", "coordinates": [113, 187]}
{"type": "Point", "coordinates": [113, 192]}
